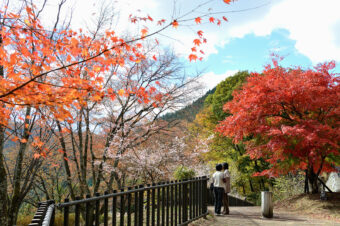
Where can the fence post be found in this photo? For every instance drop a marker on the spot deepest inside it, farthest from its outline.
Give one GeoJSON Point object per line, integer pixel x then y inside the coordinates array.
{"type": "Point", "coordinates": [87, 217]}
{"type": "Point", "coordinates": [191, 199]}
{"type": "Point", "coordinates": [77, 213]}
{"type": "Point", "coordinates": [122, 208]}
{"type": "Point", "coordinates": [136, 207]}
{"type": "Point", "coordinates": [195, 196]}
{"type": "Point", "coordinates": [97, 210]}
{"type": "Point", "coordinates": [141, 205]}
{"type": "Point", "coordinates": [176, 201]}
{"type": "Point", "coordinates": [204, 194]}
{"type": "Point", "coordinates": [106, 207]}
{"type": "Point", "coordinates": [171, 203]}
{"type": "Point", "coordinates": [129, 208]}
{"type": "Point", "coordinates": [153, 204]}
{"type": "Point", "coordinates": [200, 194]}
{"type": "Point", "coordinates": [159, 205]}
{"type": "Point", "coordinates": [114, 209]}
{"type": "Point", "coordinates": [198, 189]}
{"type": "Point", "coordinates": [163, 204]}
{"type": "Point", "coordinates": [167, 203]}
{"type": "Point", "coordinates": [66, 212]}
{"type": "Point", "coordinates": [185, 201]}
{"type": "Point", "coordinates": [148, 205]}
{"type": "Point", "coordinates": [180, 201]}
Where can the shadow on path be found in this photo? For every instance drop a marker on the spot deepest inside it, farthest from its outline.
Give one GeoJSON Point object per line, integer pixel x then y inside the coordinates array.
{"type": "Point", "coordinates": [251, 215]}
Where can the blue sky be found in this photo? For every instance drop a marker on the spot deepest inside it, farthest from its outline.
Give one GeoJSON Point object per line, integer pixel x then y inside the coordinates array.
{"type": "Point", "coordinates": [308, 35]}
{"type": "Point", "coordinates": [253, 52]}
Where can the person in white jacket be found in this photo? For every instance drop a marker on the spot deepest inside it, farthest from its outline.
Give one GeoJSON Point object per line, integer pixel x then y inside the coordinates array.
{"type": "Point", "coordinates": [226, 179]}
{"type": "Point", "coordinates": [218, 188]}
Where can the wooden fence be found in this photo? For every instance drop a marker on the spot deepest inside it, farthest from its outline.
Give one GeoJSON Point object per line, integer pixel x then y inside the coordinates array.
{"type": "Point", "coordinates": [165, 203]}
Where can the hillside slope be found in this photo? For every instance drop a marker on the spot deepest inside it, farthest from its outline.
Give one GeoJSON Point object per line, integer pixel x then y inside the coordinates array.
{"type": "Point", "coordinates": [189, 112]}
{"type": "Point", "coordinates": [311, 204]}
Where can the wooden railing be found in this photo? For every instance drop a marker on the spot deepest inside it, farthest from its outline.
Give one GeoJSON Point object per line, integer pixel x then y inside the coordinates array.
{"type": "Point", "coordinates": [165, 203]}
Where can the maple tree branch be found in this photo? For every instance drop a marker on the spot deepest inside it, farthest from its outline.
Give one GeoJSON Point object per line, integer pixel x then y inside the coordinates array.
{"type": "Point", "coordinates": [81, 61]}
{"type": "Point", "coordinates": [10, 92]}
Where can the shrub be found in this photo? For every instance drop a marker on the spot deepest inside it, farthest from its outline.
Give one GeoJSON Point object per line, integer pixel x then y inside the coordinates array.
{"type": "Point", "coordinates": [289, 185]}
{"type": "Point", "coordinates": [183, 172]}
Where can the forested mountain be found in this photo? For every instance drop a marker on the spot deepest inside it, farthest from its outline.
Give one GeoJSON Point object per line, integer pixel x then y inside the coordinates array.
{"type": "Point", "coordinates": [190, 111]}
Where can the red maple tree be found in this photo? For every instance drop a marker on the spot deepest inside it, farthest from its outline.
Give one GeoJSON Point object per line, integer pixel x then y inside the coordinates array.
{"type": "Point", "coordinates": [290, 117]}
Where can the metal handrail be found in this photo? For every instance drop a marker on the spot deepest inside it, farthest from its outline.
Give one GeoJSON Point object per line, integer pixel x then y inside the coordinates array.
{"type": "Point", "coordinates": [48, 220]}
{"type": "Point", "coordinates": [71, 203]}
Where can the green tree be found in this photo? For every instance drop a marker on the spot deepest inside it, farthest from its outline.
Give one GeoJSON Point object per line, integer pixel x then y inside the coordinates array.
{"type": "Point", "coordinates": [223, 149]}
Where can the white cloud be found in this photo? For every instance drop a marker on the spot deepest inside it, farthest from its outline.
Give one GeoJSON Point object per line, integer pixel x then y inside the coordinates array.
{"type": "Point", "coordinates": [312, 23]}
{"type": "Point", "coordinates": [210, 79]}
{"type": "Point", "coordinates": [181, 39]}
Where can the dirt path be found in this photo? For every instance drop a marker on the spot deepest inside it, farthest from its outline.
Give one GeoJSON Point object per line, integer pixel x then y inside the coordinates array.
{"type": "Point", "coordinates": [245, 216]}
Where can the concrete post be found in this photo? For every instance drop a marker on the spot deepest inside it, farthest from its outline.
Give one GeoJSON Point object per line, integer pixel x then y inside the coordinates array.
{"type": "Point", "coordinates": [267, 204]}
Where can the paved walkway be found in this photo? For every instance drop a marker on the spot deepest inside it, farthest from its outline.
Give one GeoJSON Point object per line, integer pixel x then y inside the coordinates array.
{"type": "Point", "coordinates": [251, 215]}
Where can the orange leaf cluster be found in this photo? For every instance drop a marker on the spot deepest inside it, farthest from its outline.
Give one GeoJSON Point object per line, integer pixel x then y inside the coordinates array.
{"type": "Point", "coordinates": [59, 72]}
{"type": "Point", "coordinates": [62, 69]}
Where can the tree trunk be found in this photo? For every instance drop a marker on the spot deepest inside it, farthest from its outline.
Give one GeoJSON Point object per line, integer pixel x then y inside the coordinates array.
{"type": "Point", "coordinates": [263, 184]}
{"type": "Point", "coordinates": [3, 174]}
{"type": "Point", "coordinates": [306, 182]}
{"type": "Point", "coordinates": [244, 190]}
{"type": "Point", "coordinates": [251, 185]}
{"type": "Point", "coordinates": [3, 182]}
{"type": "Point", "coordinates": [13, 214]}
{"type": "Point", "coordinates": [313, 180]}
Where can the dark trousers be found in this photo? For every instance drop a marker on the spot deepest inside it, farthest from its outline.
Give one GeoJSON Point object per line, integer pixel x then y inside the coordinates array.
{"type": "Point", "coordinates": [218, 192]}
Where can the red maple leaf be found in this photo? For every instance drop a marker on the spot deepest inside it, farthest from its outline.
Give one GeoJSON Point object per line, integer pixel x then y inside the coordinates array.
{"type": "Point", "coordinates": [175, 24]}
{"type": "Point", "coordinates": [197, 42]}
{"type": "Point", "coordinates": [198, 20]}
{"type": "Point", "coordinates": [160, 22]}
{"type": "Point", "coordinates": [144, 31]}
{"type": "Point", "coordinates": [192, 57]}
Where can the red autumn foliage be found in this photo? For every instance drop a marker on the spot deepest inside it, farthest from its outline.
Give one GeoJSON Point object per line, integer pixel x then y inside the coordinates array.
{"type": "Point", "coordinates": [291, 117]}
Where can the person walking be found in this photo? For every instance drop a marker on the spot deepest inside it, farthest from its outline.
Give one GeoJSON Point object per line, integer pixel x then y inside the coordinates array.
{"type": "Point", "coordinates": [226, 179]}
{"type": "Point", "coordinates": [218, 188]}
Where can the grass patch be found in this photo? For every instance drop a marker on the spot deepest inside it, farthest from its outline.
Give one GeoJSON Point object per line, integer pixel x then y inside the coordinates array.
{"type": "Point", "coordinates": [209, 219]}
{"type": "Point", "coordinates": [311, 205]}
